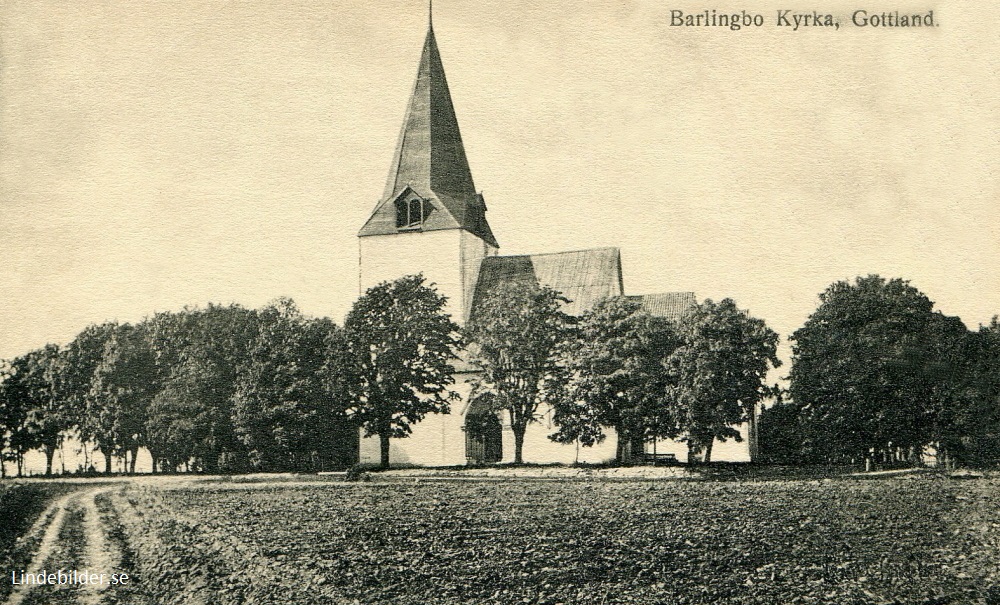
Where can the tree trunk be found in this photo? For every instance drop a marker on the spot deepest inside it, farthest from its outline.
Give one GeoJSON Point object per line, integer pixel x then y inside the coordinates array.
{"type": "Point", "coordinates": [20, 464]}
{"type": "Point", "coordinates": [708, 450]}
{"type": "Point", "coordinates": [692, 452]}
{"type": "Point", "coordinates": [50, 453]}
{"type": "Point", "coordinates": [107, 462]}
{"type": "Point", "coordinates": [131, 462]}
{"type": "Point", "coordinates": [383, 442]}
{"type": "Point", "coordinates": [625, 450]}
{"type": "Point", "coordinates": [754, 445]}
{"type": "Point", "coordinates": [518, 443]}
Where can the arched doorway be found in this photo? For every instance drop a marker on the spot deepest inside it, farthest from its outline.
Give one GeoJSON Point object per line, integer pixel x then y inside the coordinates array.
{"type": "Point", "coordinates": [483, 435]}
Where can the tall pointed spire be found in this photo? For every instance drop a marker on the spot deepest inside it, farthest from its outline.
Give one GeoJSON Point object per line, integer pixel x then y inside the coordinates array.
{"type": "Point", "coordinates": [430, 158]}
{"type": "Point", "coordinates": [430, 151]}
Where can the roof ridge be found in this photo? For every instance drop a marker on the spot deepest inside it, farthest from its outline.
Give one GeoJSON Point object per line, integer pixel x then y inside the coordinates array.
{"type": "Point", "coordinates": [555, 253]}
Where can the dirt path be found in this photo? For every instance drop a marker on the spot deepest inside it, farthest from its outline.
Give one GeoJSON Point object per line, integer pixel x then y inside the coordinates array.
{"type": "Point", "coordinates": [55, 515]}
{"type": "Point", "coordinates": [97, 555]}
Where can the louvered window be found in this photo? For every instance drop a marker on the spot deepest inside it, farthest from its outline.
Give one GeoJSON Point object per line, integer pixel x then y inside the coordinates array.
{"type": "Point", "coordinates": [412, 212]}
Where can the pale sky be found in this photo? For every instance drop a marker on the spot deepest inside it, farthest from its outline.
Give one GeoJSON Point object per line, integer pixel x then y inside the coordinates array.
{"type": "Point", "coordinates": [158, 154]}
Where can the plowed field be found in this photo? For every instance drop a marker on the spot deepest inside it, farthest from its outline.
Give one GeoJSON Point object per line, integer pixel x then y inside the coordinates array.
{"type": "Point", "coordinates": [926, 540]}
{"type": "Point", "coordinates": [838, 541]}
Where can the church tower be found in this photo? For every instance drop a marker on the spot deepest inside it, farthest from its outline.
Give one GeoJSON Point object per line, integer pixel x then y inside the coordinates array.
{"type": "Point", "coordinates": [430, 218]}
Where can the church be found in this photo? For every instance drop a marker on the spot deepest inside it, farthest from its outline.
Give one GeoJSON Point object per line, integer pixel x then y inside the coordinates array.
{"type": "Point", "coordinates": [432, 220]}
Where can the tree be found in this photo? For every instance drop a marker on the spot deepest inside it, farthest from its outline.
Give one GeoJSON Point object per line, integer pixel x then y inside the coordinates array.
{"type": "Point", "coordinates": [124, 385]}
{"type": "Point", "coordinates": [16, 403]}
{"type": "Point", "coordinates": [13, 414]}
{"type": "Point", "coordinates": [869, 371]}
{"type": "Point", "coordinates": [203, 377]}
{"type": "Point", "coordinates": [516, 332]}
{"type": "Point", "coordinates": [33, 414]}
{"type": "Point", "coordinates": [180, 420]}
{"type": "Point", "coordinates": [197, 357]}
{"type": "Point", "coordinates": [719, 369]}
{"type": "Point", "coordinates": [975, 419]}
{"type": "Point", "coordinates": [79, 362]}
{"type": "Point", "coordinates": [46, 419]}
{"type": "Point", "coordinates": [617, 378]}
{"type": "Point", "coordinates": [49, 418]}
{"type": "Point", "coordinates": [333, 432]}
{"type": "Point", "coordinates": [290, 401]}
{"type": "Point", "coordinates": [942, 367]}
{"type": "Point", "coordinates": [401, 344]}
{"type": "Point", "coordinates": [780, 434]}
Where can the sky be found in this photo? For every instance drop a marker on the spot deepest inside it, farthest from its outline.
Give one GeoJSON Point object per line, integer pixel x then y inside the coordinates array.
{"type": "Point", "coordinates": [160, 154]}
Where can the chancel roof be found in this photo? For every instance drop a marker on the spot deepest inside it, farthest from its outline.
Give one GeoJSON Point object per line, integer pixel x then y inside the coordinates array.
{"type": "Point", "coordinates": [583, 276]}
{"type": "Point", "coordinates": [667, 304]}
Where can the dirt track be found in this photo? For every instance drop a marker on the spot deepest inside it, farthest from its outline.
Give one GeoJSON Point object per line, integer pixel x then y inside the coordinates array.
{"type": "Point", "coordinates": [72, 538]}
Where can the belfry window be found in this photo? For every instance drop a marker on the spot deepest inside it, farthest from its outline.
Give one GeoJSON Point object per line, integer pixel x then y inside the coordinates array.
{"type": "Point", "coordinates": [411, 213]}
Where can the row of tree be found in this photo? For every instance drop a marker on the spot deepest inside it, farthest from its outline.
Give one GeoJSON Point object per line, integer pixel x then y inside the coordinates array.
{"type": "Point", "coordinates": [878, 376]}
{"type": "Point", "coordinates": [215, 388]}
{"type": "Point", "coordinates": [618, 367]}
{"type": "Point", "coordinates": [227, 389]}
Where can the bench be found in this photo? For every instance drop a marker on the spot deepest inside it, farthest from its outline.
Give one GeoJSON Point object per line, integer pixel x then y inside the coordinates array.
{"type": "Point", "coordinates": [658, 459]}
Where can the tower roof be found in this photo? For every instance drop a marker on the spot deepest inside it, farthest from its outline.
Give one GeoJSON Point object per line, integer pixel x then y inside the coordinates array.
{"type": "Point", "coordinates": [430, 158]}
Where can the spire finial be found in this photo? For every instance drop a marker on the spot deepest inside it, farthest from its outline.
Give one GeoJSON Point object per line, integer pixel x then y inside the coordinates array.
{"type": "Point", "coordinates": [430, 14]}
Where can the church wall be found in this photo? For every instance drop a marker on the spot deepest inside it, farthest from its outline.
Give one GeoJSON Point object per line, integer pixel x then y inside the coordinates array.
{"type": "Point", "coordinates": [436, 254]}
{"type": "Point", "coordinates": [437, 440]}
{"type": "Point", "coordinates": [539, 449]}
{"type": "Point", "coordinates": [473, 250]}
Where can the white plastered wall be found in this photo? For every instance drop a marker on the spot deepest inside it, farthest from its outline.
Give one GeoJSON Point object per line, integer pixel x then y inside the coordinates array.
{"type": "Point", "coordinates": [450, 260]}
{"type": "Point", "coordinates": [438, 440]}
{"type": "Point", "coordinates": [436, 254]}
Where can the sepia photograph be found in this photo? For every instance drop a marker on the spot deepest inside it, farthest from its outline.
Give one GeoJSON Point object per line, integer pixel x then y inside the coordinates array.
{"type": "Point", "coordinates": [412, 302]}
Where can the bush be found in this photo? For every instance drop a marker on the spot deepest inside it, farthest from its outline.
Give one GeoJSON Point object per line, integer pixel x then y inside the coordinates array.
{"type": "Point", "coordinates": [358, 472]}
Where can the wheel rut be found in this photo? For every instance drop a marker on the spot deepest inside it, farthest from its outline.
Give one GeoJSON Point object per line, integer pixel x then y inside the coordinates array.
{"type": "Point", "coordinates": [73, 538]}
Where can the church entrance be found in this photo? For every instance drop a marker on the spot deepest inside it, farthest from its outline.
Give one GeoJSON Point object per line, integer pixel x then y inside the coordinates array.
{"type": "Point", "coordinates": [483, 436]}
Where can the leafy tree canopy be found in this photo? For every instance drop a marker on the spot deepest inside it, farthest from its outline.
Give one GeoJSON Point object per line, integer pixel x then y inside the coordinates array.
{"type": "Point", "coordinates": [719, 368]}
{"type": "Point", "coordinates": [401, 344]}
{"type": "Point", "coordinates": [617, 378]}
{"type": "Point", "coordinates": [516, 333]}
{"type": "Point", "coordinates": [871, 368]}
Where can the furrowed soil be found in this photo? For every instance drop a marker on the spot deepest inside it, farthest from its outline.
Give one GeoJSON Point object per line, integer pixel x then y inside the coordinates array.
{"type": "Point", "coordinates": [909, 540]}
{"type": "Point", "coordinates": [924, 540]}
